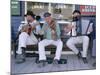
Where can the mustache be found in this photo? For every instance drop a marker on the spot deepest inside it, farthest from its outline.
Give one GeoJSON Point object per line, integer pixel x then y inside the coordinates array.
{"type": "Point", "coordinates": [76, 18]}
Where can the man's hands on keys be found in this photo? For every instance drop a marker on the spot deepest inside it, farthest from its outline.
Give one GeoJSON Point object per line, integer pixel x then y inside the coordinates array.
{"type": "Point", "coordinates": [68, 28]}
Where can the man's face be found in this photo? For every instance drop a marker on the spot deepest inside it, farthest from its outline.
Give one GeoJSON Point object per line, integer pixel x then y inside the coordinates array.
{"type": "Point", "coordinates": [48, 19]}
{"type": "Point", "coordinates": [76, 15]}
{"type": "Point", "coordinates": [29, 18]}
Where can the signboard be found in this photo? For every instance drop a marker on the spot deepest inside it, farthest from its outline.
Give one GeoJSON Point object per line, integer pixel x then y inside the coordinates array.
{"type": "Point", "coordinates": [88, 10]}
{"type": "Point", "coordinates": [15, 7]}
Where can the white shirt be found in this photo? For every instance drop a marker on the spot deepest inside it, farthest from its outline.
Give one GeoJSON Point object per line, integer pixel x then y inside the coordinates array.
{"type": "Point", "coordinates": [38, 28]}
{"type": "Point", "coordinates": [84, 28]}
{"type": "Point", "coordinates": [73, 31]}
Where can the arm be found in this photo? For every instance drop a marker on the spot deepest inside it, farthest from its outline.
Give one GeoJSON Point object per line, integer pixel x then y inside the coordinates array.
{"type": "Point", "coordinates": [90, 29]}
{"type": "Point", "coordinates": [68, 28]}
{"type": "Point", "coordinates": [19, 31]}
{"type": "Point", "coordinates": [44, 28]}
{"type": "Point", "coordinates": [58, 30]}
{"type": "Point", "coordinates": [34, 26]}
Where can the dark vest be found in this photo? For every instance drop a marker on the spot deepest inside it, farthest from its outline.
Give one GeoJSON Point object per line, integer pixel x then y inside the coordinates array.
{"type": "Point", "coordinates": [78, 26]}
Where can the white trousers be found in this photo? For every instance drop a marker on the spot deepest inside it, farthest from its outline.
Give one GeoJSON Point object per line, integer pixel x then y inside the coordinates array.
{"type": "Point", "coordinates": [46, 42]}
{"type": "Point", "coordinates": [77, 40]}
{"type": "Point", "coordinates": [25, 39]}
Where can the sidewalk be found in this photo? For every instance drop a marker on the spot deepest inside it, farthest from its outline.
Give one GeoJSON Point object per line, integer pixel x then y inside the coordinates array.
{"type": "Point", "coordinates": [73, 63]}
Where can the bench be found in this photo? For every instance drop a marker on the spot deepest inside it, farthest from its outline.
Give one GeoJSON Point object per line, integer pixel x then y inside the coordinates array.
{"type": "Point", "coordinates": [32, 49]}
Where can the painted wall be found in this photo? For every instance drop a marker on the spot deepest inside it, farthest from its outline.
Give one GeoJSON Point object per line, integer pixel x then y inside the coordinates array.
{"type": "Point", "coordinates": [15, 21]}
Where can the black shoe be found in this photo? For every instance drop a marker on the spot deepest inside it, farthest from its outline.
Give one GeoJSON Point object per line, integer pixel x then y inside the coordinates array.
{"type": "Point", "coordinates": [42, 63]}
{"type": "Point", "coordinates": [79, 55]}
{"type": "Point", "coordinates": [21, 57]}
{"type": "Point", "coordinates": [55, 61]}
{"type": "Point", "coordinates": [23, 52]}
{"type": "Point", "coordinates": [84, 60]}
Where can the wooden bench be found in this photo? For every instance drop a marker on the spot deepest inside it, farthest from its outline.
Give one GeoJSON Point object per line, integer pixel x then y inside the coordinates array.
{"type": "Point", "coordinates": [31, 49]}
{"type": "Point", "coordinates": [51, 48]}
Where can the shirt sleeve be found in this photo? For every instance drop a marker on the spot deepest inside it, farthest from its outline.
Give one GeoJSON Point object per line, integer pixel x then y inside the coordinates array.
{"type": "Point", "coordinates": [20, 27]}
{"type": "Point", "coordinates": [44, 27]}
{"type": "Point", "coordinates": [58, 30]}
{"type": "Point", "coordinates": [38, 27]}
{"type": "Point", "coordinates": [90, 29]}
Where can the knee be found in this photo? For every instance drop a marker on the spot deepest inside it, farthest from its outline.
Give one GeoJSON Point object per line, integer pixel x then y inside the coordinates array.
{"type": "Point", "coordinates": [60, 43]}
{"type": "Point", "coordinates": [86, 38]}
{"type": "Point", "coordinates": [40, 43]}
{"type": "Point", "coordinates": [68, 43]}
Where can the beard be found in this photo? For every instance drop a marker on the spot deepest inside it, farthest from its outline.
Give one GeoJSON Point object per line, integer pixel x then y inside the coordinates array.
{"type": "Point", "coordinates": [76, 18]}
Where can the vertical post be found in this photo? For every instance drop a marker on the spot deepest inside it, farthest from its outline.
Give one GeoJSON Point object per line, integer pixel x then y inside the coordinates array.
{"type": "Point", "coordinates": [25, 8]}
{"type": "Point", "coordinates": [49, 8]}
{"type": "Point", "coordinates": [73, 7]}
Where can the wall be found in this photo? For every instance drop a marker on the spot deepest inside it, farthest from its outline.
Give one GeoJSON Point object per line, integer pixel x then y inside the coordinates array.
{"type": "Point", "coordinates": [15, 21]}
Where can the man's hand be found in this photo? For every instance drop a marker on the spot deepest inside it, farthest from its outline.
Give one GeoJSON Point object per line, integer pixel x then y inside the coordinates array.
{"type": "Point", "coordinates": [68, 28]}
{"type": "Point", "coordinates": [34, 26]}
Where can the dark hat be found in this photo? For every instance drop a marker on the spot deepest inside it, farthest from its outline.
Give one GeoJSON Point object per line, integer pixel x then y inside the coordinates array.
{"type": "Point", "coordinates": [47, 14]}
{"type": "Point", "coordinates": [30, 13]}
